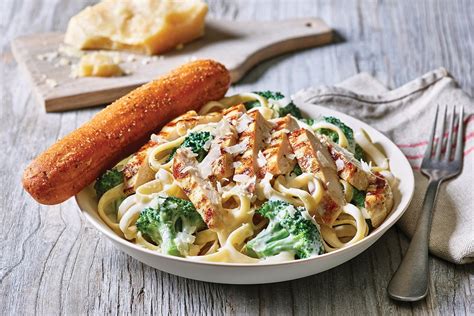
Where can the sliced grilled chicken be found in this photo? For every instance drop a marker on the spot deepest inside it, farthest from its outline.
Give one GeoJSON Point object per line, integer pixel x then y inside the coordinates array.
{"type": "Point", "coordinates": [348, 168]}
{"type": "Point", "coordinates": [222, 166]}
{"type": "Point", "coordinates": [253, 136]}
{"type": "Point", "coordinates": [233, 113]}
{"type": "Point", "coordinates": [379, 199]}
{"type": "Point", "coordinates": [276, 155]}
{"type": "Point", "coordinates": [180, 125]}
{"type": "Point", "coordinates": [200, 191]}
{"type": "Point", "coordinates": [313, 157]}
{"type": "Point", "coordinates": [137, 171]}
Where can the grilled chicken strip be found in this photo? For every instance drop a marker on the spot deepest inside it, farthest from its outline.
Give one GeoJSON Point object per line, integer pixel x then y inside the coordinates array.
{"type": "Point", "coordinates": [313, 157]}
{"type": "Point", "coordinates": [233, 113]}
{"type": "Point", "coordinates": [222, 167]}
{"type": "Point", "coordinates": [379, 199]}
{"type": "Point", "coordinates": [180, 126]}
{"type": "Point", "coordinates": [137, 171]}
{"type": "Point", "coordinates": [348, 168]}
{"type": "Point", "coordinates": [200, 191]}
{"type": "Point", "coordinates": [276, 154]}
{"type": "Point", "coordinates": [253, 136]}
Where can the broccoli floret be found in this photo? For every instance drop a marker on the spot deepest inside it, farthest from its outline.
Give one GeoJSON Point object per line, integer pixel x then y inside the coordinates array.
{"type": "Point", "coordinates": [170, 224]}
{"type": "Point", "coordinates": [308, 121]}
{"type": "Point", "coordinates": [334, 136]}
{"type": "Point", "coordinates": [195, 141]}
{"type": "Point", "coordinates": [288, 230]}
{"type": "Point", "coordinates": [108, 180]}
{"type": "Point", "coordinates": [358, 197]}
{"type": "Point", "coordinates": [297, 170]}
{"type": "Point", "coordinates": [252, 104]}
{"type": "Point", "coordinates": [274, 95]}
{"type": "Point", "coordinates": [292, 109]}
{"type": "Point", "coordinates": [359, 153]}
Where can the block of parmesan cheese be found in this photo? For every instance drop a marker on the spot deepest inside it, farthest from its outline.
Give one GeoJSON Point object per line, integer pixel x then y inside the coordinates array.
{"type": "Point", "coordinates": [142, 26]}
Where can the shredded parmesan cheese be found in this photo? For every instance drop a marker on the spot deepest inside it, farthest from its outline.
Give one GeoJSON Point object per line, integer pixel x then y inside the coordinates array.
{"type": "Point", "coordinates": [243, 123]}
{"type": "Point", "coordinates": [205, 167]}
{"type": "Point", "coordinates": [236, 164]}
{"type": "Point", "coordinates": [339, 164]}
{"type": "Point", "coordinates": [238, 148]}
{"type": "Point", "coordinates": [241, 178]}
{"type": "Point", "coordinates": [261, 160]}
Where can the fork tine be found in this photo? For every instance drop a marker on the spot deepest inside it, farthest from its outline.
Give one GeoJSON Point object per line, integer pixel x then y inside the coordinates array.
{"type": "Point", "coordinates": [449, 142]}
{"type": "Point", "coordinates": [440, 136]}
{"type": "Point", "coordinates": [459, 142]}
{"type": "Point", "coordinates": [429, 148]}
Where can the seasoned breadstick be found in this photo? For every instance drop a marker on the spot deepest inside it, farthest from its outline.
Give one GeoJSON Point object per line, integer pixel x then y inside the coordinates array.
{"type": "Point", "coordinates": [75, 161]}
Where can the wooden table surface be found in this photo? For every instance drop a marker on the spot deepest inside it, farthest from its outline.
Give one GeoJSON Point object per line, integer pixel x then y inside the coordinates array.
{"type": "Point", "coordinates": [53, 262]}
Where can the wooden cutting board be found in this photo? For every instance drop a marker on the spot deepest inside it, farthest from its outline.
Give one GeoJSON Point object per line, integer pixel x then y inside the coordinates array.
{"type": "Point", "coordinates": [238, 45]}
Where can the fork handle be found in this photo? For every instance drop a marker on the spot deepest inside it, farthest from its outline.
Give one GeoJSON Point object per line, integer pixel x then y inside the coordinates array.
{"type": "Point", "coordinates": [410, 281]}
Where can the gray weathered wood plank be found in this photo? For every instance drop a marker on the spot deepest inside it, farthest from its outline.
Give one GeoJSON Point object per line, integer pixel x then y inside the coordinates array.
{"type": "Point", "coordinates": [53, 262]}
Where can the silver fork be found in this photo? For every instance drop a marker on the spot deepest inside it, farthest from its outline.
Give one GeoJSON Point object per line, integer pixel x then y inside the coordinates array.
{"type": "Point", "coordinates": [410, 281]}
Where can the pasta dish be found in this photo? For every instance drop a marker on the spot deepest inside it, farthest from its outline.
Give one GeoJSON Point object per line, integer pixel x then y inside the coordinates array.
{"type": "Point", "coordinates": [248, 179]}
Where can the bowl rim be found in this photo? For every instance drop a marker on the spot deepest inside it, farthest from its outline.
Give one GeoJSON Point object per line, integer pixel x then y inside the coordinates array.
{"type": "Point", "coordinates": [392, 218]}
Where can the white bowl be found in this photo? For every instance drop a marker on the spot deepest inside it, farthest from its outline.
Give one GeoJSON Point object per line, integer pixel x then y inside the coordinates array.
{"type": "Point", "coordinates": [272, 272]}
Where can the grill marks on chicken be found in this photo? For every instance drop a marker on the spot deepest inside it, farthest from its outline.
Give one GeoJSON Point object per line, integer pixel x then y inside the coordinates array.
{"type": "Point", "coordinates": [313, 157]}
{"type": "Point", "coordinates": [379, 199]}
{"type": "Point", "coordinates": [137, 170]}
{"type": "Point", "coordinates": [254, 136]}
{"type": "Point", "coordinates": [222, 167]}
{"type": "Point", "coordinates": [199, 190]}
{"type": "Point", "coordinates": [180, 126]}
{"type": "Point", "coordinates": [279, 142]}
{"type": "Point", "coordinates": [348, 168]}
{"type": "Point", "coordinates": [278, 153]}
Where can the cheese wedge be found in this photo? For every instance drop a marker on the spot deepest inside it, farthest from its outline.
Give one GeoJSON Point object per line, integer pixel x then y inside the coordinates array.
{"type": "Point", "coordinates": [142, 26]}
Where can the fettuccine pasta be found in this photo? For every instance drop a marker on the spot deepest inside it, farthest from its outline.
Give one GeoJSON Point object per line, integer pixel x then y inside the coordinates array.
{"type": "Point", "coordinates": [249, 180]}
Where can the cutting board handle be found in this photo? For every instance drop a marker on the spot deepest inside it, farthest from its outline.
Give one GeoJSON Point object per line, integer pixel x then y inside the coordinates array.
{"type": "Point", "coordinates": [280, 37]}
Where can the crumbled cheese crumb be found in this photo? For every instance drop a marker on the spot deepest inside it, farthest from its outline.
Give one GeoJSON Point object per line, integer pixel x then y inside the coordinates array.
{"type": "Point", "coordinates": [52, 83]}
{"type": "Point", "coordinates": [49, 57]}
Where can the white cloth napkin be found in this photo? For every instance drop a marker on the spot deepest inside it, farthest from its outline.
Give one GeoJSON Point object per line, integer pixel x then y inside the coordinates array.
{"type": "Point", "coordinates": [406, 116]}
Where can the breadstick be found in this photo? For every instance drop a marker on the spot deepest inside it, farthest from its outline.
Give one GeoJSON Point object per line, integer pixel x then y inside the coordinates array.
{"type": "Point", "coordinates": [78, 159]}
